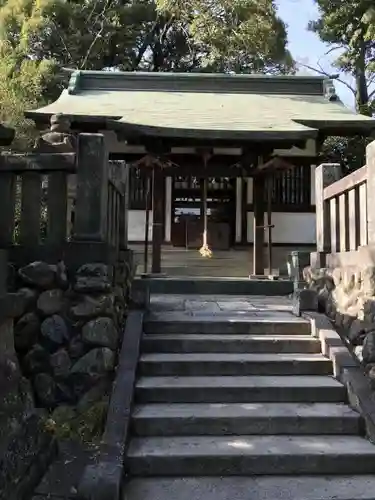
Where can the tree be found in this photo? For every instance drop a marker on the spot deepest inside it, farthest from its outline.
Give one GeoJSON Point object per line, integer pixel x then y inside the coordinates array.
{"type": "Point", "coordinates": [23, 82]}
{"type": "Point", "coordinates": [38, 37]}
{"type": "Point", "coordinates": [350, 152]}
{"type": "Point", "coordinates": [349, 27]}
{"type": "Point", "coordinates": [242, 36]}
{"type": "Point", "coordinates": [160, 35]}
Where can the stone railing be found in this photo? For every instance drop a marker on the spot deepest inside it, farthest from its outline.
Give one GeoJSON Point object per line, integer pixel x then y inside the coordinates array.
{"type": "Point", "coordinates": [342, 270]}
{"type": "Point", "coordinates": [63, 297]}
{"type": "Point", "coordinates": [345, 214]}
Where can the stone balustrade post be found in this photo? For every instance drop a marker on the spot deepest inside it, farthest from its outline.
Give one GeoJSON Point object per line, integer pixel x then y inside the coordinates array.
{"type": "Point", "coordinates": [90, 218]}
{"type": "Point", "coordinates": [370, 163]}
{"type": "Point", "coordinates": [325, 175]}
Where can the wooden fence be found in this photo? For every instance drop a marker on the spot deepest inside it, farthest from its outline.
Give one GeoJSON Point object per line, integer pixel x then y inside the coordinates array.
{"type": "Point", "coordinates": [38, 191]}
{"type": "Point", "coordinates": [345, 219]}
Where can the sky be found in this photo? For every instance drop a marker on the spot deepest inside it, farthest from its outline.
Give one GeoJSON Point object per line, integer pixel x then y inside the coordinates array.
{"type": "Point", "coordinates": [306, 46]}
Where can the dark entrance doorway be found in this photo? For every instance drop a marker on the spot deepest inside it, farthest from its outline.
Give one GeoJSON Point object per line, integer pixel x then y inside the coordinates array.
{"type": "Point", "coordinates": [187, 214]}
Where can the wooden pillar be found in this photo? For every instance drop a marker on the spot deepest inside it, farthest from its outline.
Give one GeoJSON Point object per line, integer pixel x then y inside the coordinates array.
{"type": "Point", "coordinates": [124, 207]}
{"type": "Point", "coordinates": [370, 162]}
{"type": "Point", "coordinates": [239, 209]}
{"type": "Point", "coordinates": [259, 210]}
{"type": "Point", "coordinates": [168, 209]}
{"type": "Point", "coordinates": [157, 218]}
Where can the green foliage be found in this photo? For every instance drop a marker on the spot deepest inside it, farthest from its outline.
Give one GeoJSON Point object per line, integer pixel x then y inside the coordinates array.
{"type": "Point", "coordinates": [234, 35]}
{"type": "Point", "coordinates": [39, 36]}
{"type": "Point", "coordinates": [23, 82]}
{"type": "Point", "coordinates": [87, 427]}
{"type": "Point", "coordinates": [350, 152]}
{"type": "Point", "coordinates": [349, 27]}
{"type": "Point", "coordinates": [161, 35]}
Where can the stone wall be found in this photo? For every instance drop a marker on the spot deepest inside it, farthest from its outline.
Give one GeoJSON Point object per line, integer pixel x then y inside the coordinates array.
{"type": "Point", "coordinates": [27, 444]}
{"type": "Point", "coordinates": [67, 338]}
{"type": "Point", "coordinates": [347, 296]}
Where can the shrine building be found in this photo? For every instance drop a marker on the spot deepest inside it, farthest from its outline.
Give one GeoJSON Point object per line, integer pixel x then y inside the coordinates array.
{"type": "Point", "coordinates": [255, 138]}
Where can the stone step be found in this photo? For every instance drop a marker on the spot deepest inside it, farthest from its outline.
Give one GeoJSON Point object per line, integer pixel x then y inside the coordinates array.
{"type": "Point", "coordinates": [245, 418]}
{"type": "Point", "coordinates": [266, 323]}
{"type": "Point", "coordinates": [195, 364]}
{"type": "Point", "coordinates": [286, 389]}
{"type": "Point", "coordinates": [219, 271]}
{"type": "Point", "coordinates": [216, 286]}
{"type": "Point", "coordinates": [250, 455]}
{"type": "Point", "coordinates": [230, 343]}
{"type": "Point", "coordinates": [336, 487]}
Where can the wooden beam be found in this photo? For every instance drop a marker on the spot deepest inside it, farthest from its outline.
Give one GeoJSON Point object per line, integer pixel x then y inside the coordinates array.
{"type": "Point", "coordinates": [262, 144]}
{"type": "Point", "coordinates": [276, 163]}
{"type": "Point", "coordinates": [217, 166]}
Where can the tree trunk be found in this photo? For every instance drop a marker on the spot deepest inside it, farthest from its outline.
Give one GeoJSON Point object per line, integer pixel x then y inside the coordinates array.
{"type": "Point", "coordinates": [362, 96]}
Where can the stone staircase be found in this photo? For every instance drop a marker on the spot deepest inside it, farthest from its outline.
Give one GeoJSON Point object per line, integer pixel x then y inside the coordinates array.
{"type": "Point", "coordinates": [234, 401]}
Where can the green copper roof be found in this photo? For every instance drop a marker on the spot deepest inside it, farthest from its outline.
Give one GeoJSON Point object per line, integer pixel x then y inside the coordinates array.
{"type": "Point", "coordinates": [207, 105]}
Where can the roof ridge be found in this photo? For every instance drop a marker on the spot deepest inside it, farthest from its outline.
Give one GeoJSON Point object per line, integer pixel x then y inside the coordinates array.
{"type": "Point", "coordinates": [196, 82]}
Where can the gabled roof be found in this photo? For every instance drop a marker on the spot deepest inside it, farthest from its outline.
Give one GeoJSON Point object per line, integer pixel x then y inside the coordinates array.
{"type": "Point", "coordinates": [212, 106]}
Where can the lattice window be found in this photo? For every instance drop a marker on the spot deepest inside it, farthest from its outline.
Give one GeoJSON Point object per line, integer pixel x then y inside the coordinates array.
{"type": "Point", "coordinates": [292, 188]}
{"type": "Point", "coordinates": [138, 189]}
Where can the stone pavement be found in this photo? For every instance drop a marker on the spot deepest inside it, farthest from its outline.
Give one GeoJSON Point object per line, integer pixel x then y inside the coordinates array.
{"type": "Point", "coordinates": [223, 304]}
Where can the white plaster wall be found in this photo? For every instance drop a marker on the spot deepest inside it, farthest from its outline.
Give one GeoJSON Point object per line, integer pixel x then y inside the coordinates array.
{"type": "Point", "coordinates": [289, 227]}
{"type": "Point", "coordinates": [136, 225]}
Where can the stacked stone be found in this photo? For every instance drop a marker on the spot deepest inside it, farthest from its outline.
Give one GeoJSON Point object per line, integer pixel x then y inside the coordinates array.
{"type": "Point", "coordinates": [347, 296]}
{"type": "Point", "coordinates": [69, 333]}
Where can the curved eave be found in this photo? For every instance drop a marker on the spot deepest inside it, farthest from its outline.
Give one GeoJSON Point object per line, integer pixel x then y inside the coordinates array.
{"type": "Point", "coordinates": [364, 127]}
{"type": "Point", "coordinates": [131, 129]}
{"type": "Point", "coordinates": [39, 115]}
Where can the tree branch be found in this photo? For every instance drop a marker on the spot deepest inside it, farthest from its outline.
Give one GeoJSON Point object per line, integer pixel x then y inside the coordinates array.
{"type": "Point", "coordinates": [98, 34]}
{"type": "Point", "coordinates": [88, 53]}
{"type": "Point", "coordinates": [324, 73]}
{"type": "Point", "coordinates": [144, 46]}
{"type": "Point", "coordinates": [61, 39]}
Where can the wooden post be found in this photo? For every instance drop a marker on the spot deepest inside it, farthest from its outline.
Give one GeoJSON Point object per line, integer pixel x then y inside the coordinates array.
{"type": "Point", "coordinates": [239, 209]}
{"type": "Point", "coordinates": [325, 174]}
{"type": "Point", "coordinates": [259, 210]}
{"type": "Point", "coordinates": [370, 162]}
{"type": "Point", "coordinates": [124, 208]}
{"type": "Point", "coordinates": [147, 225]}
{"type": "Point", "coordinates": [90, 221]}
{"type": "Point", "coordinates": [269, 223]}
{"type": "Point", "coordinates": [157, 218]}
